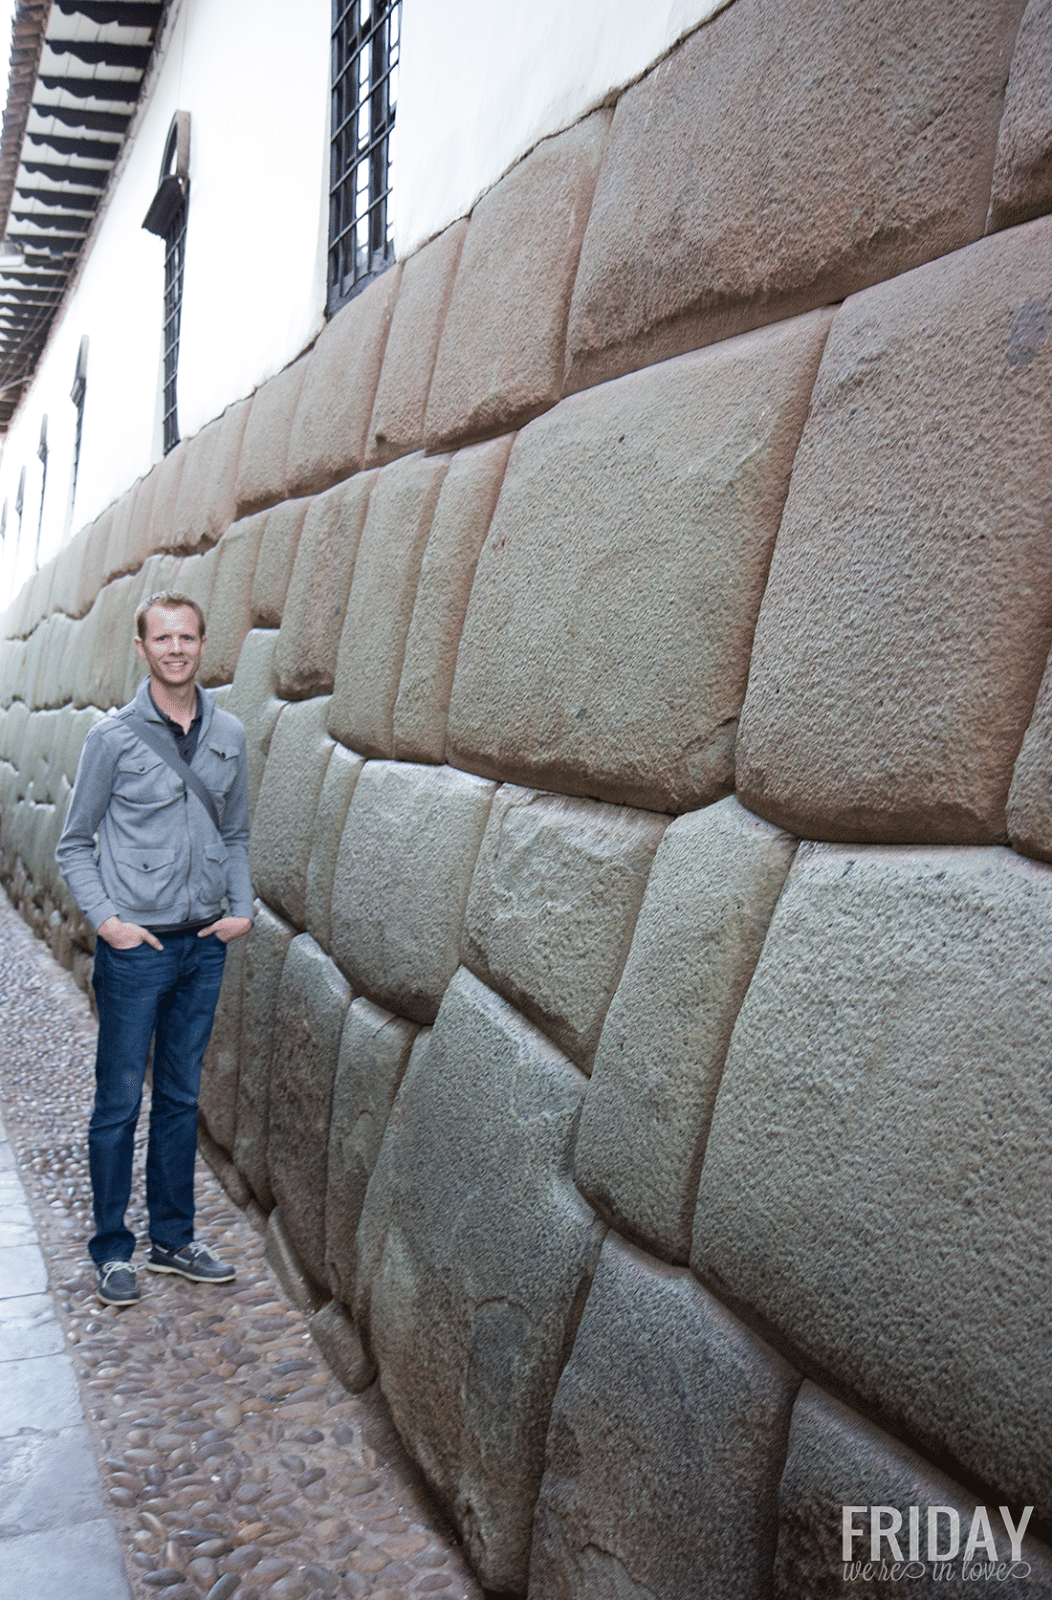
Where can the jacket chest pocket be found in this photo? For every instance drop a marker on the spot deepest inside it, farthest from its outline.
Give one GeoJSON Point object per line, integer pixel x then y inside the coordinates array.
{"type": "Point", "coordinates": [216, 766]}
{"type": "Point", "coordinates": [145, 780]}
{"type": "Point", "coordinates": [146, 875]}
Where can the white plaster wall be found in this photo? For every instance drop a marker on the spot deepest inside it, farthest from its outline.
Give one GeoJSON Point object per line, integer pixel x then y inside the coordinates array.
{"type": "Point", "coordinates": [481, 81]}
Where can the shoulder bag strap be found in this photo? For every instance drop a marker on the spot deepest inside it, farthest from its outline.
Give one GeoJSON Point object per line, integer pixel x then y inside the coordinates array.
{"type": "Point", "coordinates": [162, 746]}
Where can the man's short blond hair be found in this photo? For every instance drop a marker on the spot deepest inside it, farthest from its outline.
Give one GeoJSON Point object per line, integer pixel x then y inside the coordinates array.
{"type": "Point", "coordinates": [170, 599]}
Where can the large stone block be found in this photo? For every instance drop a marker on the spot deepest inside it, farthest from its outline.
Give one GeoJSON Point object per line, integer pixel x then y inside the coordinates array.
{"type": "Point", "coordinates": [262, 468]}
{"type": "Point", "coordinates": [228, 618]}
{"type": "Point", "coordinates": [554, 898]}
{"type": "Point", "coordinates": [166, 477]}
{"type": "Point", "coordinates": [265, 953]}
{"type": "Point", "coordinates": [836, 1459]}
{"type": "Point", "coordinates": [70, 560]}
{"type": "Point", "coordinates": [1029, 811]}
{"type": "Point", "coordinates": [218, 1098]}
{"type": "Point", "coordinates": [206, 502]}
{"type": "Point", "coordinates": [312, 1005]}
{"type": "Point", "coordinates": [402, 876]}
{"type": "Point", "coordinates": [1022, 185]}
{"type": "Point", "coordinates": [462, 516]}
{"type": "Point", "coordinates": [374, 1052]}
{"type": "Point", "coordinates": [781, 159]}
{"type": "Point", "coordinates": [380, 603]}
{"type": "Point", "coordinates": [50, 687]}
{"type": "Point", "coordinates": [106, 645]}
{"type": "Point", "coordinates": [473, 1268]}
{"type": "Point", "coordinates": [715, 881]}
{"type": "Point", "coordinates": [908, 615]}
{"type": "Point", "coordinates": [288, 799]}
{"type": "Point", "coordinates": [277, 557]}
{"type": "Point", "coordinates": [327, 439]}
{"type": "Point", "coordinates": [313, 615]}
{"type": "Point", "coordinates": [129, 542]}
{"type": "Point", "coordinates": [341, 775]}
{"type": "Point", "coordinates": [397, 425]}
{"type": "Point", "coordinates": [500, 359]}
{"type": "Point", "coordinates": [877, 1178]}
{"type": "Point", "coordinates": [253, 700]}
{"type": "Point", "coordinates": [606, 646]}
{"type": "Point", "coordinates": [666, 1439]}
{"type": "Point", "coordinates": [93, 565]}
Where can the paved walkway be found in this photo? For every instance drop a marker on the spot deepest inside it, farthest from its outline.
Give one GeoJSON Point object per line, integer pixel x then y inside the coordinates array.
{"type": "Point", "coordinates": [195, 1445]}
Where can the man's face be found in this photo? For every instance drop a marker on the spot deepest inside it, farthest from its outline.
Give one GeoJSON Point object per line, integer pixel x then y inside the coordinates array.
{"type": "Point", "coordinates": [172, 647]}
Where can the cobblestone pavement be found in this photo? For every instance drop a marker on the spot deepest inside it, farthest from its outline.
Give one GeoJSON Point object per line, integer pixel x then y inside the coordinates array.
{"type": "Point", "coordinates": [233, 1460]}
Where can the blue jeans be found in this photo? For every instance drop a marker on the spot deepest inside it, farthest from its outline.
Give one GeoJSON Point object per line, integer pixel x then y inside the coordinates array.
{"type": "Point", "coordinates": [169, 996]}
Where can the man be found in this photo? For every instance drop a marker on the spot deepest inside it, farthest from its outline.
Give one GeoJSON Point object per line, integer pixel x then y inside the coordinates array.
{"type": "Point", "coordinates": [163, 783]}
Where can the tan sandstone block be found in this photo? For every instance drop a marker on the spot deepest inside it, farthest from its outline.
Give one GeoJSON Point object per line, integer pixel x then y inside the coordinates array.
{"type": "Point", "coordinates": [554, 898]}
{"type": "Point", "coordinates": [265, 953]}
{"type": "Point", "coordinates": [462, 517]}
{"type": "Point", "coordinates": [1022, 185]}
{"type": "Point", "coordinates": [713, 886]}
{"type": "Point", "coordinates": [397, 425]}
{"type": "Point", "coordinates": [288, 799]}
{"type": "Point", "coordinates": [341, 775]}
{"type": "Point", "coordinates": [374, 1052]}
{"type": "Point", "coordinates": [402, 876]}
{"type": "Point", "coordinates": [380, 602]}
{"type": "Point", "coordinates": [664, 1447]}
{"type": "Point", "coordinates": [253, 700]}
{"type": "Point", "coordinates": [327, 439]}
{"type": "Point", "coordinates": [229, 615]}
{"type": "Point", "coordinates": [473, 1267]}
{"type": "Point", "coordinates": [606, 646]}
{"type": "Point", "coordinates": [835, 1459]}
{"type": "Point", "coordinates": [262, 469]}
{"type": "Point", "coordinates": [206, 503]}
{"type": "Point", "coordinates": [783, 158]}
{"type": "Point", "coordinates": [500, 359]}
{"type": "Point", "coordinates": [315, 606]}
{"type": "Point", "coordinates": [908, 615]}
{"type": "Point", "coordinates": [876, 1182]}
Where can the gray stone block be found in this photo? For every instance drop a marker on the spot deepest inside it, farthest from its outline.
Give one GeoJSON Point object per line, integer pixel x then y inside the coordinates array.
{"type": "Point", "coordinates": [67, 573]}
{"type": "Point", "coordinates": [474, 1268]}
{"type": "Point", "coordinates": [1022, 186]}
{"type": "Point", "coordinates": [206, 503]}
{"type": "Point", "coordinates": [89, 1566]}
{"type": "Point", "coordinates": [462, 517]}
{"type": "Point", "coordinates": [334, 1333]}
{"type": "Point", "coordinates": [129, 542]}
{"type": "Point", "coordinates": [265, 953]}
{"type": "Point", "coordinates": [280, 848]}
{"type": "Point", "coordinates": [666, 1439]}
{"type": "Point", "coordinates": [218, 1097]}
{"type": "Point", "coordinates": [254, 702]}
{"type": "Point", "coordinates": [288, 1268]}
{"type": "Point", "coordinates": [45, 1397]}
{"type": "Point", "coordinates": [402, 876]}
{"type": "Point", "coordinates": [312, 1005]}
{"type": "Point", "coordinates": [1029, 809]}
{"type": "Point", "coordinates": [228, 617]}
{"type": "Point", "coordinates": [554, 898]}
{"type": "Point", "coordinates": [48, 1481]}
{"type": "Point", "coordinates": [713, 886]}
{"type": "Point", "coordinates": [374, 1053]}
{"type": "Point", "coordinates": [93, 565]}
{"type": "Point", "coordinates": [313, 614]}
{"type": "Point", "coordinates": [607, 641]}
{"type": "Point", "coordinates": [341, 775]}
{"type": "Point", "coordinates": [875, 1184]}
{"type": "Point", "coordinates": [836, 1459]}
{"type": "Point", "coordinates": [274, 564]}
{"type": "Point", "coordinates": [262, 468]}
{"type": "Point", "coordinates": [380, 603]}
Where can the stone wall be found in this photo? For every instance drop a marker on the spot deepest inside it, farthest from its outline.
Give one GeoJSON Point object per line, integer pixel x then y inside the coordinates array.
{"type": "Point", "coordinates": [639, 605]}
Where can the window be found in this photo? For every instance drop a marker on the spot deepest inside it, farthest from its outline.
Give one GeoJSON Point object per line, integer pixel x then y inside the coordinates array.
{"type": "Point", "coordinates": [365, 40]}
{"type": "Point", "coordinates": [167, 218]}
{"type": "Point", "coordinates": [77, 395]}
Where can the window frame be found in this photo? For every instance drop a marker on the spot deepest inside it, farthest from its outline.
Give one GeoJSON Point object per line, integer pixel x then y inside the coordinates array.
{"type": "Point", "coordinates": [365, 51]}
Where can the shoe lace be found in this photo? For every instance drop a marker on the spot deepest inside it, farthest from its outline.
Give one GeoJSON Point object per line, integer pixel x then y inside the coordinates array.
{"type": "Point", "coordinates": [110, 1267]}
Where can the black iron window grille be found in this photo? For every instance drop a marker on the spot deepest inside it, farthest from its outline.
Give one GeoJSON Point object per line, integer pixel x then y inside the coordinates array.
{"type": "Point", "coordinates": [365, 47]}
{"type": "Point", "coordinates": [167, 218]}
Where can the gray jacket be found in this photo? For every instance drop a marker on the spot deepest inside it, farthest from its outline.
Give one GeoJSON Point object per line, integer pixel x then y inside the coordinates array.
{"type": "Point", "coordinates": [160, 861]}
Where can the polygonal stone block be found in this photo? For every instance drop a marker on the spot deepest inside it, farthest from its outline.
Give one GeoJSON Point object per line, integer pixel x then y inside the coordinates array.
{"type": "Point", "coordinates": [1029, 811]}
{"type": "Point", "coordinates": [875, 1184]}
{"type": "Point", "coordinates": [166, 476]}
{"type": "Point", "coordinates": [336, 1337]}
{"type": "Point", "coordinates": [277, 556]}
{"type": "Point", "coordinates": [713, 886]}
{"type": "Point", "coordinates": [837, 1460]}
{"type": "Point", "coordinates": [606, 646]}
{"type": "Point", "coordinates": [288, 799]}
{"type": "Point", "coordinates": [462, 516]}
{"type": "Point", "coordinates": [780, 160]}
{"type": "Point", "coordinates": [1022, 186]}
{"type": "Point", "coordinates": [397, 424]}
{"type": "Point", "coordinates": [67, 575]}
{"type": "Point", "coordinates": [129, 542]}
{"type": "Point", "coordinates": [664, 1447]}
{"type": "Point", "coordinates": [313, 614]}
{"type": "Point", "coordinates": [341, 775]}
{"type": "Point", "coordinates": [110, 628]}
{"type": "Point", "coordinates": [402, 875]}
{"type": "Point", "coordinates": [265, 953]}
{"type": "Point", "coordinates": [228, 618]}
{"type": "Point", "coordinates": [253, 701]}
{"type": "Point", "coordinates": [374, 1053]}
{"type": "Point", "coordinates": [327, 438]}
{"type": "Point", "coordinates": [473, 1268]}
{"type": "Point", "coordinates": [94, 563]}
{"type": "Point", "coordinates": [218, 1097]}
{"type": "Point", "coordinates": [554, 898]}
{"type": "Point", "coordinates": [312, 1004]}
{"type": "Point", "coordinates": [906, 621]}
{"type": "Point", "coordinates": [380, 603]}
{"type": "Point", "coordinates": [262, 469]}
{"type": "Point", "coordinates": [500, 359]}
{"type": "Point", "coordinates": [49, 688]}
{"type": "Point", "coordinates": [206, 503]}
